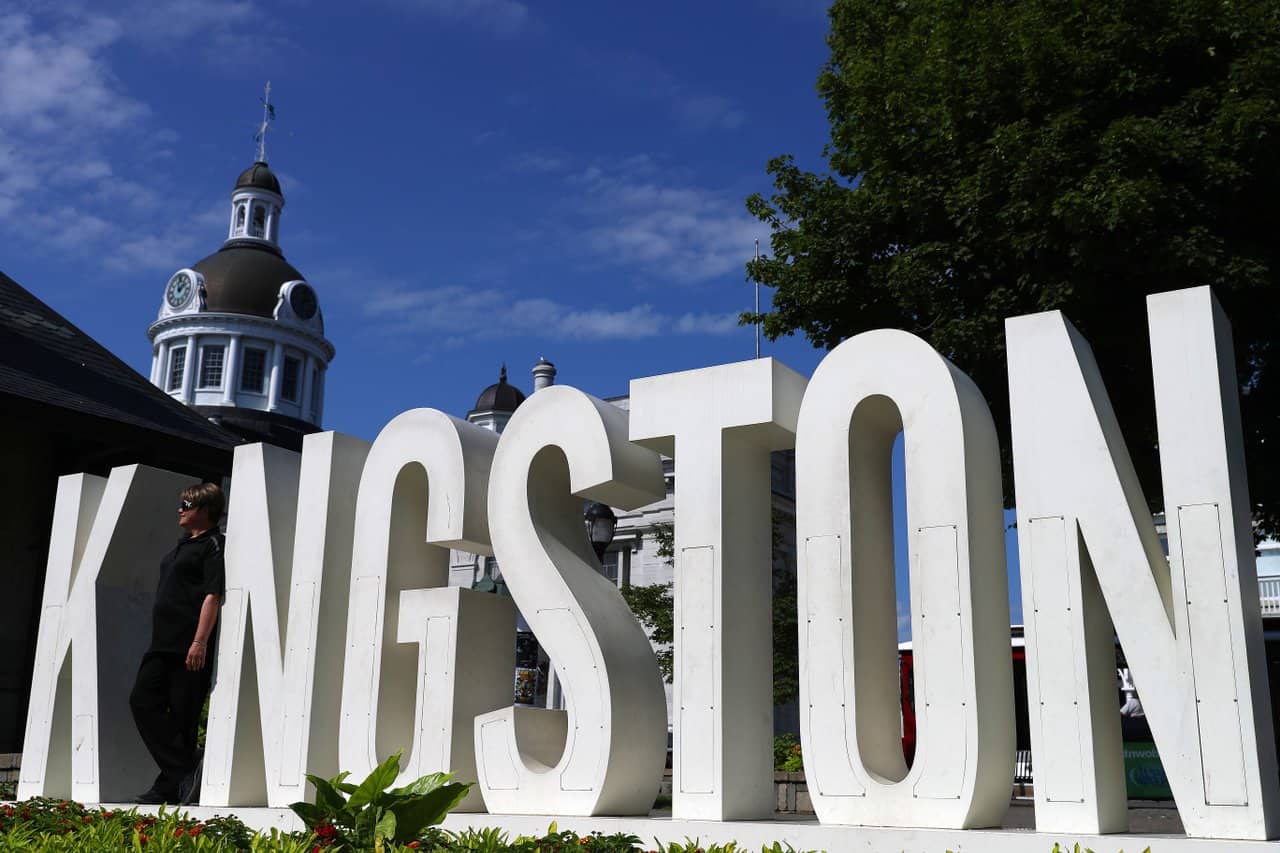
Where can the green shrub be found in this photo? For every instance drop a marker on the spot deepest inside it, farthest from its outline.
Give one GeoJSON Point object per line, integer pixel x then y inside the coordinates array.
{"type": "Point", "coordinates": [786, 753]}
{"type": "Point", "coordinates": [57, 826]}
{"type": "Point", "coordinates": [372, 814]}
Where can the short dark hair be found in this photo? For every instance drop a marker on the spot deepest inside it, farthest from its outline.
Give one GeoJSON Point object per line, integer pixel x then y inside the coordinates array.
{"type": "Point", "coordinates": [206, 496]}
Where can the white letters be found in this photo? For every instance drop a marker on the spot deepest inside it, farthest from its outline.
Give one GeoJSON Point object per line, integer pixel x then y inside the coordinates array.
{"type": "Point", "coordinates": [423, 491]}
{"type": "Point", "coordinates": [606, 755]}
{"type": "Point", "coordinates": [862, 394]}
{"type": "Point", "coordinates": [108, 538]}
{"type": "Point", "coordinates": [291, 529]}
{"type": "Point", "coordinates": [1190, 625]}
{"type": "Point", "coordinates": [720, 425]}
{"type": "Point", "coordinates": [376, 654]}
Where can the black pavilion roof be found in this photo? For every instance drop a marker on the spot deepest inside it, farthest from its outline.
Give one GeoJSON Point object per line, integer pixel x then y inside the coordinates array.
{"type": "Point", "coordinates": [48, 362]}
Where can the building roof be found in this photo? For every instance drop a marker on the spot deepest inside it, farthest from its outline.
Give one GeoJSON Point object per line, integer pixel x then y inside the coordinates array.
{"type": "Point", "coordinates": [499, 397]}
{"type": "Point", "coordinates": [46, 360]}
{"type": "Point", "coordinates": [259, 176]}
{"type": "Point", "coordinates": [244, 277]}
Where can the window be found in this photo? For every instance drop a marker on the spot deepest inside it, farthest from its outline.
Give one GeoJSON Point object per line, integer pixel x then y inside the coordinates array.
{"type": "Point", "coordinates": [211, 366]}
{"type": "Point", "coordinates": [289, 385]}
{"type": "Point", "coordinates": [239, 218]}
{"type": "Point", "coordinates": [177, 361]}
{"type": "Point", "coordinates": [259, 225]}
{"type": "Point", "coordinates": [612, 563]}
{"type": "Point", "coordinates": [254, 371]}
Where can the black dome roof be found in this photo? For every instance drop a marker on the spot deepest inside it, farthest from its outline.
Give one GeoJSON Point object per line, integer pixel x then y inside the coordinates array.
{"type": "Point", "coordinates": [259, 176]}
{"type": "Point", "coordinates": [244, 277]}
{"type": "Point", "coordinates": [500, 396]}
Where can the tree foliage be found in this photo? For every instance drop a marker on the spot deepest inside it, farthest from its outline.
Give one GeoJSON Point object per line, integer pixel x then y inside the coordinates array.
{"type": "Point", "coordinates": [990, 158]}
{"type": "Point", "coordinates": [654, 607]}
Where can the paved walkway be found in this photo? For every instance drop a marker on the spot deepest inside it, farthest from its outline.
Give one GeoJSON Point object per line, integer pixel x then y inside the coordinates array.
{"type": "Point", "coordinates": [1146, 817]}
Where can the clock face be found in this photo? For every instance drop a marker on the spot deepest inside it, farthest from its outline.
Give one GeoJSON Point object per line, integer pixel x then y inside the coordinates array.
{"type": "Point", "coordinates": [302, 299]}
{"type": "Point", "coordinates": [180, 289]}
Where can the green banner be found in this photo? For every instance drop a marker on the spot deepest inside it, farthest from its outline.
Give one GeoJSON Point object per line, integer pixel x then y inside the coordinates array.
{"type": "Point", "coordinates": [1144, 774]}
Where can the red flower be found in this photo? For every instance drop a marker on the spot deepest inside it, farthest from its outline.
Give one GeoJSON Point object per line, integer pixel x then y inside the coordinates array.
{"type": "Point", "coordinates": [195, 830]}
{"type": "Point", "coordinates": [413, 845]}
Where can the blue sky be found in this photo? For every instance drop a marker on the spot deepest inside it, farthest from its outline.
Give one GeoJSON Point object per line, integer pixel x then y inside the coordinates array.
{"type": "Point", "coordinates": [467, 182]}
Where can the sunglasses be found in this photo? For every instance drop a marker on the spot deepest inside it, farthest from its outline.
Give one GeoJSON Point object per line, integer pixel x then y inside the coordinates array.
{"type": "Point", "coordinates": [185, 506]}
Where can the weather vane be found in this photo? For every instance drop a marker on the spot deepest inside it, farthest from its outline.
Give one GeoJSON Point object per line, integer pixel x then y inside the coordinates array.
{"type": "Point", "coordinates": [268, 116]}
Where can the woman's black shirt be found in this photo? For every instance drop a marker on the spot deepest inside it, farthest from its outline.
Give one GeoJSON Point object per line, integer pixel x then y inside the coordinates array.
{"type": "Point", "coordinates": [188, 573]}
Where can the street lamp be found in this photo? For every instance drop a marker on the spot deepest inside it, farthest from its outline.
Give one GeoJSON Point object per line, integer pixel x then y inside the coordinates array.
{"type": "Point", "coordinates": [601, 524]}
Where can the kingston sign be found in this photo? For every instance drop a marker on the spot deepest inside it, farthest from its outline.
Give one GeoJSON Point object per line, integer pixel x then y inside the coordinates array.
{"type": "Point", "coordinates": [341, 641]}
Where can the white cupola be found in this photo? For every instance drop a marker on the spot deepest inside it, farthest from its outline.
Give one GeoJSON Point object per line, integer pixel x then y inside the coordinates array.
{"type": "Point", "coordinates": [256, 203]}
{"type": "Point", "coordinates": [240, 334]}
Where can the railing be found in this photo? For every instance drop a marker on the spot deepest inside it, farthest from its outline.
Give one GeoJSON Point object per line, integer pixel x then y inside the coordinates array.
{"type": "Point", "coordinates": [1022, 767]}
{"type": "Point", "coordinates": [1269, 594]}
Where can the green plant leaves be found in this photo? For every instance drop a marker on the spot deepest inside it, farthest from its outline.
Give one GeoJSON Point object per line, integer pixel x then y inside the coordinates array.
{"type": "Point", "coordinates": [418, 812]}
{"type": "Point", "coordinates": [327, 795]}
{"type": "Point", "coordinates": [375, 783]}
{"type": "Point", "coordinates": [312, 815]}
{"type": "Point", "coordinates": [421, 786]}
{"type": "Point", "coordinates": [386, 826]}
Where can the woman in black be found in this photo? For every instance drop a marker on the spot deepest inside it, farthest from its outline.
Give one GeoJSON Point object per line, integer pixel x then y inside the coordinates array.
{"type": "Point", "coordinates": [176, 672]}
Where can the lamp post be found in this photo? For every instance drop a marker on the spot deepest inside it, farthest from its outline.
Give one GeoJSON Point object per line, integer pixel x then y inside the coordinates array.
{"type": "Point", "coordinates": [601, 524]}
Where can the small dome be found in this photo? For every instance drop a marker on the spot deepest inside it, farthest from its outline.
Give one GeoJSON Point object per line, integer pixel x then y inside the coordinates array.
{"type": "Point", "coordinates": [499, 397]}
{"type": "Point", "coordinates": [244, 277]}
{"type": "Point", "coordinates": [259, 176]}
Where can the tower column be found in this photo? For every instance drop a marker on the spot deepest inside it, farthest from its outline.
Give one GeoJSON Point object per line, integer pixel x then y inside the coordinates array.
{"type": "Point", "coordinates": [189, 368]}
{"type": "Point", "coordinates": [308, 391]}
{"type": "Point", "coordinates": [231, 371]}
{"type": "Point", "coordinates": [162, 367]}
{"type": "Point", "coordinates": [277, 377]}
{"type": "Point", "coordinates": [319, 392]}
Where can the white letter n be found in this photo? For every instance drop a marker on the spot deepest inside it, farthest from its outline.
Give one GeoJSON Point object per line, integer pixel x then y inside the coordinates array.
{"type": "Point", "coordinates": [1190, 626]}
{"type": "Point", "coordinates": [290, 528]}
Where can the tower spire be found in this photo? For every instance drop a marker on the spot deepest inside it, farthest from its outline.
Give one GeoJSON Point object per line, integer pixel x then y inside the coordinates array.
{"type": "Point", "coordinates": [268, 116]}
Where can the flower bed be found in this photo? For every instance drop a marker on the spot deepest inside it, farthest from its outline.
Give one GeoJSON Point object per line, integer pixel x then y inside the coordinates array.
{"type": "Point", "coordinates": [60, 826]}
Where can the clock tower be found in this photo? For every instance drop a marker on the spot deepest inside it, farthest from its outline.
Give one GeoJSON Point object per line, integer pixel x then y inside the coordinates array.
{"type": "Point", "coordinates": [240, 334]}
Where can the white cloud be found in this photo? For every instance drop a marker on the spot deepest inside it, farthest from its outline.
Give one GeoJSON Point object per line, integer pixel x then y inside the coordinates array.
{"type": "Point", "coordinates": [465, 314]}
{"type": "Point", "coordinates": [500, 17]}
{"type": "Point", "coordinates": [706, 112]}
{"type": "Point", "coordinates": [644, 77]}
{"type": "Point", "coordinates": [52, 82]}
{"type": "Point", "coordinates": [537, 163]}
{"type": "Point", "coordinates": [170, 21]}
{"type": "Point", "coordinates": [69, 131]}
{"type": "Point", "coordinates": [166, 249]}
{"type": "Point", "coordinates": [631, 214]}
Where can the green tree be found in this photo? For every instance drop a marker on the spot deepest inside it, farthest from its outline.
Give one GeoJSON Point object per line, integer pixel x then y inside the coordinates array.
{"type": "Point", "coordinates": [653, 606]}
{"type": "Point", "coordinates": [990, 158]}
